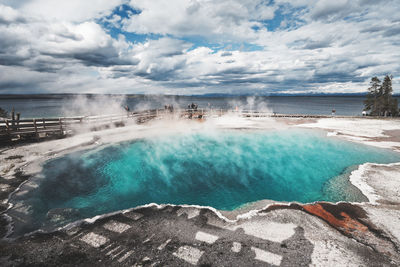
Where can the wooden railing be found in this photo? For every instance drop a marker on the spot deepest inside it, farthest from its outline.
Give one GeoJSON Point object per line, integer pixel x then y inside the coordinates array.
{"type": "Point", "coordinates": [44, 127]}
{"type": "Point", "coordinates": [36, 127]}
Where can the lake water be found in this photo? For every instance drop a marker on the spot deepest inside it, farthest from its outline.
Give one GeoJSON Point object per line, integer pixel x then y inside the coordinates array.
{"type": "Point", "coordinates": [222, 169]}
{"type": "Point", "coordinates": [344, 105]}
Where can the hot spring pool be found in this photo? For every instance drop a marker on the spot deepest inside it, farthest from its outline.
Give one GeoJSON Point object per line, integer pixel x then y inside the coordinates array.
{"type": "Point", "coordinates": [224, 170]}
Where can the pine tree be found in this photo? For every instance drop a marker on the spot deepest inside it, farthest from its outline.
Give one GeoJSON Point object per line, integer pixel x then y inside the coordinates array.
{"type": "Point", "coordinates": [394, 107]}
{"type": "Point", "coordinates": [390, 104]}
{"type": "Point", "coordinates": [371, 103]}
{"type": "Point", "coordinates": [379, 98]}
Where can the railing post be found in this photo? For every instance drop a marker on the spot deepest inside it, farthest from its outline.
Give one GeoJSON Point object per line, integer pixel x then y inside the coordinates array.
{"type": "Point", "coordinates": [13, 117]}
{"type": "Point", "coordinates": [44, 123]}
{"type": "Point", "coordinates": [8, 127]}
{"type": "Point", "coordinates": [61, 128]}
{"type": "Point", "coordinates": [18, 116]}
{"type": "Point", "coordinates": [34, 124]}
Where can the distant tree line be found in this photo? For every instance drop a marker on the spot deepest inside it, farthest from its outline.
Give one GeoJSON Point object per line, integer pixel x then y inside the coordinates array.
{"type": "Point", "coordinates": [380, 101]}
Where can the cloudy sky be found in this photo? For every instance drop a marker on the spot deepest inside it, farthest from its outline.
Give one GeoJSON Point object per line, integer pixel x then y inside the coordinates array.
{"type": "Point", "coordinates": [197, 46]}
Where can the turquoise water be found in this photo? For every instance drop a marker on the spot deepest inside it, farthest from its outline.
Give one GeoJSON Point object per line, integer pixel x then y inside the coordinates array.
{"type": "Point", "coordinates": [224, 169]}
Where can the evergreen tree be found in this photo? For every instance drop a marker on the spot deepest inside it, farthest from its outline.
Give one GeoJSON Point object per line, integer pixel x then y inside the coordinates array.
{"type": "Point", "coordinates": [371, 103]}
{"type": "Point", "coordinates": [379, 98]}
{"type": "Point", "coordinates": [390, 105]}
{"type": "Point", "coordinates": [394, 107]}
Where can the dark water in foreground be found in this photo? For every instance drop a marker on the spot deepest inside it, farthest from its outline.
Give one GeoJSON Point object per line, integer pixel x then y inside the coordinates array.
{"type": "Point", "coordinates": [344, 105]}
{"type": "Point", "coordinates": [224, 169]}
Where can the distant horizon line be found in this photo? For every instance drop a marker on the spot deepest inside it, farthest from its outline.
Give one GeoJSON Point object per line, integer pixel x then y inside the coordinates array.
{"type": "Point", "coordinates": [65, 95]}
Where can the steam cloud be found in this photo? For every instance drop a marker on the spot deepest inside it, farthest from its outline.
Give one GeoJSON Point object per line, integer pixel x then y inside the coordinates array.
{"type": "Point", "coordinates": [94, 105]}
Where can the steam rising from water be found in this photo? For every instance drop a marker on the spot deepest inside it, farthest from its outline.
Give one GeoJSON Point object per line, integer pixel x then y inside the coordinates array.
{"type": "Point", "coordinates": [96, 105]}
{"type": "Point", "coordinates": [222, 169]}
{"type": "Point", "coordinates": [251, 103]}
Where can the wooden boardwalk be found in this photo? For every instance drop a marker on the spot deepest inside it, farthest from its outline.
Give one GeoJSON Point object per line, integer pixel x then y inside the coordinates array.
{"type": "Point", "coordinates": [38, 128]}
